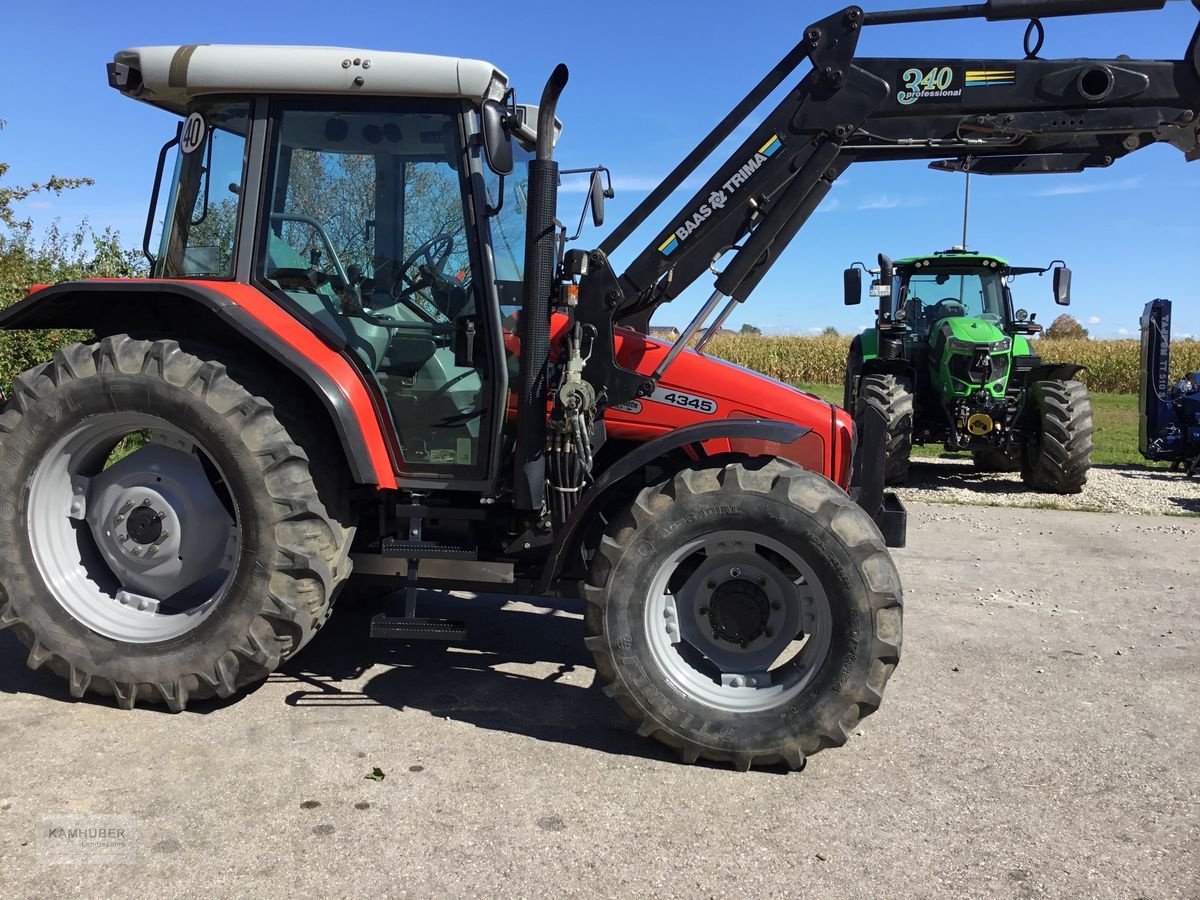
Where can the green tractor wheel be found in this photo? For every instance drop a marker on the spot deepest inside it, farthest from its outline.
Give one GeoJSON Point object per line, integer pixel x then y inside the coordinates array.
{"type": "Point", "coordinates": [892, 395]}
{"type": "Point", "coordinates": [1057, 461]}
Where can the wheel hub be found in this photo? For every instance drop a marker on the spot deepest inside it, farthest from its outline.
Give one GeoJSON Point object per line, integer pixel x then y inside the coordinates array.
{"type": "Point", "coordinates": [738, 611]}
{"type": "Point", "coordinates": [145, 525]}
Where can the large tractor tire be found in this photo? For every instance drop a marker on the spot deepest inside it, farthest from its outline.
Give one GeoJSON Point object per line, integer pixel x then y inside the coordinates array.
{"type": "Point", "coordinates": [851, 378]}
{"type": "Point", "coordinates": [892, 395]}
{"type": "Point", "coordinates": [1058, 459]}
{"type": "Point", "coordinates": [748, 613]}
{"type": "Point", "coordinates": [996, 460]}
{"type": "Point", "coordinates": [189, 568]}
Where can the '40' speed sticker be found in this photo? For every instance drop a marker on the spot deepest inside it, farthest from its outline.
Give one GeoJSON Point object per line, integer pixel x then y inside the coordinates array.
{"type": "Point", "coordinates": [934, 84]}
{"type": "Point", "coordinates": [684, 401]}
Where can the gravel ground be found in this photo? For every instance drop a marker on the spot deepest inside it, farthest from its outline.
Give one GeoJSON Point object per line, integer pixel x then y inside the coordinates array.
{"type": "Point", "coordinates": [1120, 489]}
{"type": "Point", "coordinates": [1038, 740]}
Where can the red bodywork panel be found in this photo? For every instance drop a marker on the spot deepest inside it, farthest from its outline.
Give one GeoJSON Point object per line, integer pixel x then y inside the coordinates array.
{"type": "Point", "coordinates": [717, 389]}
{"type": "Point", "coordinates": [291, 331]}
{"type": "Point", "coordinates": [695, 389]}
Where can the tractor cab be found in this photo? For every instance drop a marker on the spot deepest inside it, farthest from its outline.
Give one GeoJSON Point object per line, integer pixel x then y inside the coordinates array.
{"type": "Point", "coordinates": [355, 190]}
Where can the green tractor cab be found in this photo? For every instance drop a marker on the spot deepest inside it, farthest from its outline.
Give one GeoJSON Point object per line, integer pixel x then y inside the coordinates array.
{"type": "Point", "coordinates": [950, 362]}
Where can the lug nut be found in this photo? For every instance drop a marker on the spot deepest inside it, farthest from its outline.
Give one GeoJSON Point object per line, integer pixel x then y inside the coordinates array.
{"type": "Point", "coordinates": [122, 538]}
{"type": "Point", "coordinates": [128, 506]}
{"type": "Point", "coordinates": [703, 610]}
{"type": "Point", "coordinates": [151, 550]}
{"type": "Point", "coordinates": [735, 572]}
{"type": "Point", "coordinates": [146, 502]}
{"type": "Point", "coordinates": [776, 605]}
{"type": "Point", "coordinates": [710, 584]}
{"type": "Point", "coordinates": [118, 518]}
{"type": "Point", "coordinates": [762, 580]}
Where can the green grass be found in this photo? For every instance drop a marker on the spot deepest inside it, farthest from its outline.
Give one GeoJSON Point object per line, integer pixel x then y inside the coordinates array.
{"type": "Point", "coordinates": [1116, 418]}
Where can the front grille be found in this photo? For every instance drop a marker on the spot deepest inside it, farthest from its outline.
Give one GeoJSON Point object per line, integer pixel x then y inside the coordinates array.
{"type": "Point", "coordinates": [962, 367]}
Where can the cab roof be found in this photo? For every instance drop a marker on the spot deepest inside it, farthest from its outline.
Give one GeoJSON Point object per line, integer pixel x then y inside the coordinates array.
{"type": "Point", "coordinates": [170, 77]}
{"type": "Point", "coordinates": [952, 257]}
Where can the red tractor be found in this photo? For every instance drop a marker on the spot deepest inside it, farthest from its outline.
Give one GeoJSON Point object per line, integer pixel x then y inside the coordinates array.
{"type": "Point", "coordinates": [366, 348]}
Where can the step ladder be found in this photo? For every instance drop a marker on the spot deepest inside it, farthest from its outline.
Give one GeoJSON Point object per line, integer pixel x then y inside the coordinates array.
{"type": "Point", "coordinates": [407, 625]}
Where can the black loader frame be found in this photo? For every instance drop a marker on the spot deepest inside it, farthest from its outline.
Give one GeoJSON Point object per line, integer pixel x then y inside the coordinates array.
{"type": "Point", "coordinates": [1030, 115]}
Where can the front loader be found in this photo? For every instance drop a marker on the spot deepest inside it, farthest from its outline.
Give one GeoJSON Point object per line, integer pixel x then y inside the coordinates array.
{"type": "Point", "coordinates": [367, 348]}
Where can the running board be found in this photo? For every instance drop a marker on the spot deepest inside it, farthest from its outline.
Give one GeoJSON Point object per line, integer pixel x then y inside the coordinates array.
{"type": "Point", "coordinates": [410, 628]}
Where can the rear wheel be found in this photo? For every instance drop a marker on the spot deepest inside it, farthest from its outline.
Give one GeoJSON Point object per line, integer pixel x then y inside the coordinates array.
{"type": "Point", "coordinates": [750, 614]}
{"type": "Point", "coordinates": [1058, 459]}
{"type": "Point", "coordinates": [166, 539]}
{"type": "Point", "coordinates": [892, 396]}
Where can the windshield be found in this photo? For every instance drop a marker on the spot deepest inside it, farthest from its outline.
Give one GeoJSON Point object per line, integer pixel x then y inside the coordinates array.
{"type": "Point", "coordinates": [933, 295]}
{"type": "Point", "coordinates": [508, 227]}
{"type": "Point", "coordinates": [201, 215]}
{"type": "Point", "coordinates": [372, 199]}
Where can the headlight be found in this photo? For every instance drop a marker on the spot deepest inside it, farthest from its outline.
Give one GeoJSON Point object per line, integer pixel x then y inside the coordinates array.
{"type": "Point", "coordinates": [958, 346]}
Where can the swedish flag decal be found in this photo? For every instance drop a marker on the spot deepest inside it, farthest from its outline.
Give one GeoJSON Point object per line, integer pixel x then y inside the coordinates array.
{"type": "Point", "coordinates": [771, 146]}
{"type": "Point", "coordinates": [669, 246]}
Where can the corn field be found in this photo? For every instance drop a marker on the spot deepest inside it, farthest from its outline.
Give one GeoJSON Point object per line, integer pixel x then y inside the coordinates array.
{"type": "Point", "coordinates": [1112, 366]}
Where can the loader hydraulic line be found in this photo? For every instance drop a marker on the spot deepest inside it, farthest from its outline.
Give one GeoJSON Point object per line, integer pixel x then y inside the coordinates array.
{"type": "Point", "coordinates": [999, 116]}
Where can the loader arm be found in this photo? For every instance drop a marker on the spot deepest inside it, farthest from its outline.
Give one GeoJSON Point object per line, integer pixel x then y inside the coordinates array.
{"type": "Point", "coordinates": [996, 116]}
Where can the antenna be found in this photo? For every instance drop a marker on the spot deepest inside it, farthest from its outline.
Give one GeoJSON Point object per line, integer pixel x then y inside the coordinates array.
{"type": "Point", "coordinates": [966, 198]}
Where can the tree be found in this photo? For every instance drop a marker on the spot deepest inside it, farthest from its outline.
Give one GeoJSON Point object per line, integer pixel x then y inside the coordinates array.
{"type": "Point", "coordinates": [830, 331]}
{"type": "Point", "coordinates": [57, 254]}
{"type": "Point", "coordinates": [747, 328]}
{"type": "Point", "coordinates": [1066, 327]}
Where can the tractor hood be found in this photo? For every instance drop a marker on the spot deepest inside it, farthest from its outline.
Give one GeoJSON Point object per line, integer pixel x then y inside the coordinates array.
{"type": "Point", "coordinates": [976, 331]}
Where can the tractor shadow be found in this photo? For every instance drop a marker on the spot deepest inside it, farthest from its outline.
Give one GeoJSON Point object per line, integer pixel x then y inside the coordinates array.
{"type": "Point", "coordinates": [522, 669]}
{"type": "Point", "coordinates": [17, 678]}
{"type": "Point", "coordinates": [954, 473]}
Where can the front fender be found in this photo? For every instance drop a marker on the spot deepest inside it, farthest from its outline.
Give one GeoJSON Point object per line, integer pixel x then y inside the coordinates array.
{"type": "Point", "coordinates": [238, 314]}
{"type": "Point", "coordinates": [569, 539]}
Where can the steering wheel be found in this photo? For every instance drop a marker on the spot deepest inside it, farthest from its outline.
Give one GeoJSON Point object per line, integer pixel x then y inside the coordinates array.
{"type": "Point", "coordinates": [948, 302]}
{"type": "Point", "coordinates": [432, 256]}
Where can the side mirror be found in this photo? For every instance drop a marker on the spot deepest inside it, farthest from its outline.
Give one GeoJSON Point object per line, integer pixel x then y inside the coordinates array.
{"type": "Point", "coordinates": [497, 141]}
{"type": "Point", "coordinates": [598, 194]}
{"type": "Point", "coordinates": [1062, 286]}
{"type": "Point", "coordinates": [852, 280]}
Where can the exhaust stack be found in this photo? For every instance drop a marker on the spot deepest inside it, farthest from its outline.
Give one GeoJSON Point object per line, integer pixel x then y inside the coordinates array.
{"type": "Point", "coordinates": [529, 475]}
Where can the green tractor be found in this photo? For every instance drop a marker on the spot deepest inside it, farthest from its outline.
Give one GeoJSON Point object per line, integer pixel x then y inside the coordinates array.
{"type": "Point", "coordinates": [950, 362]}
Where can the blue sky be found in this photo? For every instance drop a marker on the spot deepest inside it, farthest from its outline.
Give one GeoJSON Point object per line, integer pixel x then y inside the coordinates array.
{"type": "Point", "coordinates": [647, 81]}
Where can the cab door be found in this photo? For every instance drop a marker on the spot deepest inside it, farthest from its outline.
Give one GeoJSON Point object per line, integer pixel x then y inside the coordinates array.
{"type": "Point", "coordinates": [371, 232]}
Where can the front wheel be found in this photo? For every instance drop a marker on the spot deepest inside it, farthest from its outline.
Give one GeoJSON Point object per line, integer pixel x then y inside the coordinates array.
{"type": "Point", "coordinates": [749, 614]}
{"type": "Point", "coordinates": [1057, 460]}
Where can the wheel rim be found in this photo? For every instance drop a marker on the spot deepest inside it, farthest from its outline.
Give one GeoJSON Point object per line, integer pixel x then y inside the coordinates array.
{"type": "Point", "coordinates": [738, 620]}
{"type": "Point", "coordinates": [141, 549]}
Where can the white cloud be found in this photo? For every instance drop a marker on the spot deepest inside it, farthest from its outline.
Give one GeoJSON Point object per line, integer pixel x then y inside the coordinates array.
{"type": "Point", "coordinates": [830, 205]}
{"type": "Point", "coordinates": [1124, 332]}
{"type": "Point", "coordinates": [879, 201]}
{"type": "Point", "coordinates": [1062, 190]}
{"type": "Point", "coordinates": [38, 204]}
{"type": "Point", "coordinates": [889, 201]}
{"type": "Point", "coordinates": [1093, 320]}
